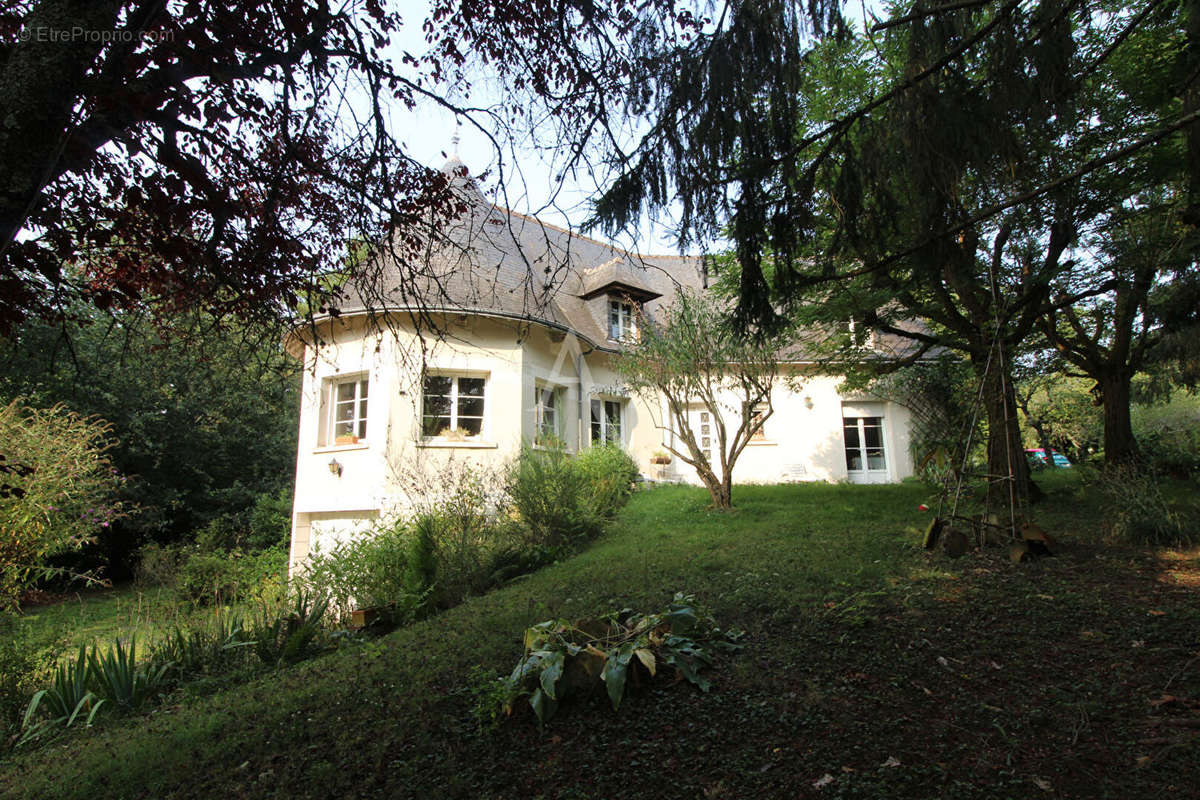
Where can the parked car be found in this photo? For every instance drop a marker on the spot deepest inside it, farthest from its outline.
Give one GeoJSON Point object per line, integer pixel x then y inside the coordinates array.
{"type": "Point", "coordinates": [1038, 455]}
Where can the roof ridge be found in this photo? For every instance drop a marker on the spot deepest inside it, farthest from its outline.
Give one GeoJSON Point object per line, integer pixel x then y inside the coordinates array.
{"type": "Point", "coordinates": [601, 242]}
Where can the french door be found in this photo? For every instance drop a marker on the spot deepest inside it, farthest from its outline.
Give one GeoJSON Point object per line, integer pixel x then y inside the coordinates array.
{"type": "Point", "coordinates": [866, 461]}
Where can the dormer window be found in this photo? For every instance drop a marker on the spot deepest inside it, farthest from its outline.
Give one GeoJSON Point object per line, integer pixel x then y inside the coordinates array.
{"type": "Point", "coordinates": [621, 326]}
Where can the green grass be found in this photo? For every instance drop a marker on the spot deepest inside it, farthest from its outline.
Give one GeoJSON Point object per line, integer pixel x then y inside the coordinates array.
{"type": "Point", "coordinates": [979, 677]}
{"type": "Point", "coordinates": [104, 615]}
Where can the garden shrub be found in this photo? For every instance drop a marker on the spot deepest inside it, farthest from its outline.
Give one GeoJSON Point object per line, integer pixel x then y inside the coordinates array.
{"type": "Point", "coordinates": [57, 489]}
{"type": "Point", "coordinates": [463, 509]}
{"type": "Point", "coordinates": [515, 559]}
{"type": "Point", "coordinates": [67, 698]}
{"type": "Point", "coordinates": [270, 521]}
{"type": "Point", "coordinates": [464, 537]}
{"type": "Point", "coordinates": [421, 571]}
{"type": "Point", "coordinates": [608, 473]}
{"type": "Point", "coordinates": [1172, 449]}
{"type": "Point", "coordinates": [95, 680]}
{"type": "Point", "coordinates": [267, 523]}
{"type": "Point", "coordinates": [552, 497]}
{"type": "Point", "coordinates": [160, 564]}
{"type": "Point", "coordinates": [231, 576]}
{"type": "Point", "coordinates": [211, 646]}
{"type": "Point", "coordinates": [120, 679]}
{"type": "Point", "coordinates": [368, 571]}
{"type": "Point", "coordinates": [223, 532]}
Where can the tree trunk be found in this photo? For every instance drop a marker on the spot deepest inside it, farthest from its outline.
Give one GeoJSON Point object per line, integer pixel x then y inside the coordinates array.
{"type": "Point", "coordinates": [1008, 478]}
{"type": "Point", "coordinates": [719, 489]}
{"type": "Point", "coordinates": [1119, 445]}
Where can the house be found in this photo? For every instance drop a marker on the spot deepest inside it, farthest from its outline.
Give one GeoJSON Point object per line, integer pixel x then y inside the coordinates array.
{"type": "Point", "coordinates": [507, 336]}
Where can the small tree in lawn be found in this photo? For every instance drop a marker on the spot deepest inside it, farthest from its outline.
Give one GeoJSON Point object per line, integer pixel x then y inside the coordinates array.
{"type": "Point", "coordinates": [694, 357]}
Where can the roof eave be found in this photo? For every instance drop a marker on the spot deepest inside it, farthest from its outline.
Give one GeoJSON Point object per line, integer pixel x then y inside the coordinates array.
{"type": "Point", "coordinates": [295, 344]}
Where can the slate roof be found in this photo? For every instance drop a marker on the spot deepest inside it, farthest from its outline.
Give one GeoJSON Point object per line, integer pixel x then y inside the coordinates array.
{"type": "Point", "coordinates": [491, 260]}
{"type": "Point", "coordinates": [494, 261]}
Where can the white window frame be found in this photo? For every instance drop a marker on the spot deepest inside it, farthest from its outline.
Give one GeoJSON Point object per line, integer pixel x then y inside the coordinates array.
{"type": "Point", "coordinates": [860, 425]}
{"type": "Point", "coordinates": [455, 432]}
{"type": "Point", "coordinates": [358, 422]}
{"type": "Point", "coordinates": [604, 424]}
{"type": "Point", "coordinates": [753, 410]}
{"type": "Point", "coordinates": [557, 396]}
{"type": "Point", "coordinates": [622, 320]}
{"type": "Point", "coordinates": [705, 431]}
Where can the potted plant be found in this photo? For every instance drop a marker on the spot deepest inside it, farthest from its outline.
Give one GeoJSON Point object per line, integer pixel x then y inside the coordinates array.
{"type": "Point", "coordinates": [660, 457]}
{"type": "Point", "coordinates": [348, 439]}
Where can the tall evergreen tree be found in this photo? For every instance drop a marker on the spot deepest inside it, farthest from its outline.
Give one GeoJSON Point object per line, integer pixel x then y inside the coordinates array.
{"type": "Point", "coordinates": [941, 167]}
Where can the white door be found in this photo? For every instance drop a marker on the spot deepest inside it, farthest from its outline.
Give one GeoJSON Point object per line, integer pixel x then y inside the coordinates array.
{"type": "Point", "coordinates": [329, 530]}
{"type": "Point", "coordinates": [866, 461]}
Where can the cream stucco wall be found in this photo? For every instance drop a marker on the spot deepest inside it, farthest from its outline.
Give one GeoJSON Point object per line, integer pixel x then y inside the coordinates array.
{"type": "Point", "coordinates": [802, 441]}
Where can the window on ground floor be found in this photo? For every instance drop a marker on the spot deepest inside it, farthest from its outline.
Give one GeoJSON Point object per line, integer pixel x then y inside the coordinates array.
{"type": "Point", "coordinates": [548, 410]}
{"type": "Point", "coordinates": [864, 444]}
{"type": "Point", "coordinates": [757, 414]}
{"type": "Point", "coordinates": [452, 406]}
{"type": "Point", "coordinates": [607, 420]}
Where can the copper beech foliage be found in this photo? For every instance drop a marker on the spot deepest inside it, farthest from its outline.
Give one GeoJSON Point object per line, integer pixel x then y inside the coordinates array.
{"type": "Point", "coordinates": [222, 155]}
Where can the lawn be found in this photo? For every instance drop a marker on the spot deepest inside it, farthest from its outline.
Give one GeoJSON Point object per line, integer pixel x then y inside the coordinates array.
{"type": "Point", "coordinates": [871, 669]}
{"type": "Point", "coordinates": [103, 614]}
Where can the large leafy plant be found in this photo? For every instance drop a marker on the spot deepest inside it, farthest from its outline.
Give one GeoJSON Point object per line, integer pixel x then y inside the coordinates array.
{"type": "Point", "coordinates": [563, 658]}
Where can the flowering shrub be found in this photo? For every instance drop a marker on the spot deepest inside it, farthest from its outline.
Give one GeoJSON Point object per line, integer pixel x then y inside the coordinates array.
{"type": "Point", "coordinates": [59, 487]}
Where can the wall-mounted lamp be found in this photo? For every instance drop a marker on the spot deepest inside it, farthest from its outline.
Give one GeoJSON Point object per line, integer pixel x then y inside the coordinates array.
{"type": "Point", "coordinates": [808, 403]}
{"type": "Point", "coordinates": [335, 467]}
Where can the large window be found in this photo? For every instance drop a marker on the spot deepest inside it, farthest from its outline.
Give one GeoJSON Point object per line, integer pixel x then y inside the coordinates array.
{"type": "Point", "coordinates": [864, 444]}
{"type": "Point", "coordinates": [549, 410]}
{"type": "Point", "coordinates": [347, 410]}
{"type": "Point", "coordinates": [607, 418]}
{"type": "Point", "coordinates": [620, 320]}
{"type": "Point", "coordinates": [452, 406]}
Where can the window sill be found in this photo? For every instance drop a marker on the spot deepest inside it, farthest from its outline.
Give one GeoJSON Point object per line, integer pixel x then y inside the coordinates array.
{"type": "Point", "coordinates": [339, 448]}
{"type": "Point", "coordinates": [447, 443]}
{"type": "Point", "coordinates": [762, 443]}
